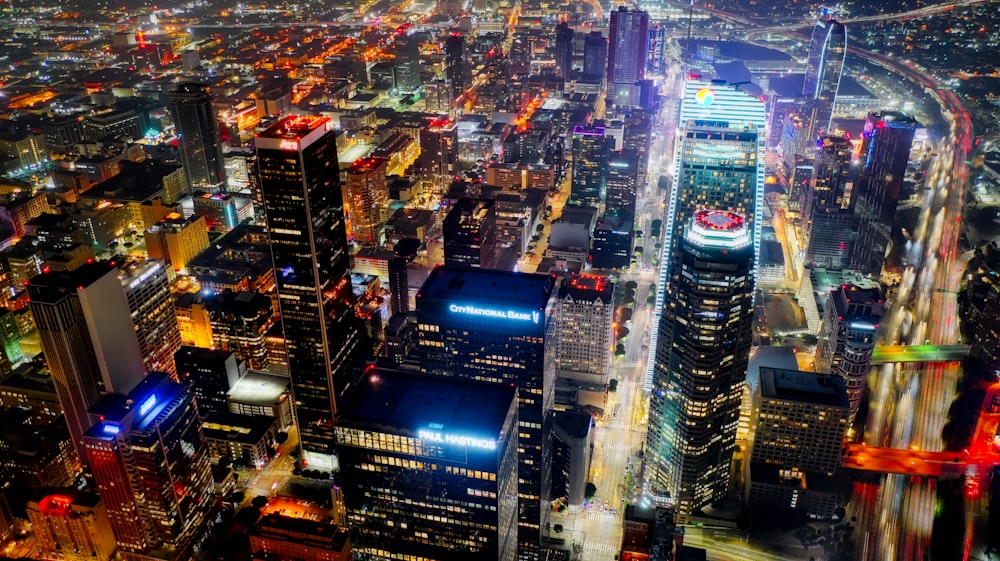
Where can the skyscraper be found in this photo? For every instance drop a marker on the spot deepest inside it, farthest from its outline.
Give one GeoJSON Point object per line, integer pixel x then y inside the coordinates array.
{"type": "Point", "coordinates": [494, 326]}
{"type": "Point", "coordinates": [595, 56]}
{"type": "Point", "coordinates": [800, 419]}
{"type": "Point", "coordinates": [622, 183]}
{"type": "Point", "coordinates": [584, 318]}
{"type": "Point", "coordinates": [638, 137]}
{"type": "Point", "coordinates": [827, 52]}
{"type": "Point", "coordinates": [87, 336]}
{"type": "Point", "coordinates": [829, 224]}
{"type": "Point", "coordinates": [456, 67]}
{"type": "Point", "coordinates": [701, 362]}
{"type": "Point", "coordinates": [564, 50]}
{"type": "Point", "coordinates": [448, 489]}
{"type": "Point", "coordinates": [150, 463]}
{"type": "Point", "coordinates": [367, 197]}
{"type": "Point", "coordinates": [470, 237]}
{"type": "Point", "coordinates": [847, 337]}
{"type": "Point", "coordinates": [147, 290]}
{"type": "Point", "coordinates": [297, 161]}
{"type": "Point", "coordinates": [733, 174]}
{"type": "Point", "coordinates": [590, 160]}
{"type": "Point", "coordinates": [885, 151]}
{"type": "Point", "coordinates": [71, 525]}
{"type": "Point", "coordinates": [407, 67]}
{"type": "Point", "coordinates": [201, 149]}
{"type": "Point", "coordinates": [628, 48]}
{"type": "Point", "coordinates": [399, 286]}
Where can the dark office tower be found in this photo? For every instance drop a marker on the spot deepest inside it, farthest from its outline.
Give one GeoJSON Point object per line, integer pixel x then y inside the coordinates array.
{"type": "Point", "coordinates": [590, 161]}
{"type": "Point", "coordinates": [828, 221]}
{"type": "Point", "coordinates": [470, 235]}
{"type": "Point", "coordinates": [456, 67]}
{"type": "Point", "coordinates": [622, 183]}
{"type": "Point", "coordinates": [196, 127]}
{"type": "Point", "coordinates": [847, 337]}
{"type": "Point", "coordinates": [701, 362]}
{"type": "Point", "coordinates": [86, 332]}
{"type": "Point", "coordinates": [638, 137]}
{"type": "Point", "coordinates": [564, 50]}
{"type": "Point", "coordinates": [407, 68]}
{"type": "Point", "coordinates": [152, 307]}
{"type": "Point", "coordinates": [494, 326]}
{"type": "Point", "coordinates": [885, 150]}
{"type": "Point", "coordinates": [150, 463]}
{"type": "Point", "coordinates": [399, 286]}
{"type": "Point", "coordinates": [628, 48]}
{"type": "Point", "coordinates": [595, 56]}
{"type": "Point", "coordinates": [827, 51]}
{"type": "Point", "coordinates": [210, 374]}
{"type": "Point", "coordinates": [444, 457]}
{"type": "Point", "coordinates": [297, 161]}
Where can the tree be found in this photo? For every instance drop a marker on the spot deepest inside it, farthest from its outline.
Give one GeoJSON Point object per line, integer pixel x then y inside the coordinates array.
{"type": "Point", "coordinates": [558, 528]}
{"type": "Point", "coordinates": [540, 228]}
{"type": "Point", "coordinates": [620, 350]}
{"type": "Point", "coordinates": [631, 285]}
{"type": "Point", "coordinates": [590, 490]}
{"type": "Point", "coordinates": [281, 437]}
{"type": "Point", "coordinates": [260, 501]}
{"type": "Point", "coordinates": [613, 385]}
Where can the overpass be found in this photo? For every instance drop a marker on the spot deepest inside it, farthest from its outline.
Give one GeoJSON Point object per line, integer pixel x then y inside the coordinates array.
{"type": "Point", "coordinates": [885, 354]}
{"type": "Point", "coordinates": [905, 461]}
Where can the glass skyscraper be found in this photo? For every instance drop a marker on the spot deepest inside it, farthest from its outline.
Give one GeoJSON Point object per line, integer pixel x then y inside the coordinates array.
{"type": "Point", "coordinates": [494, 326]}
{"type": "Point", "coordinates": [701, 362]}
{"type": "Point", "coordinates": [628, 47]}
{"type": "Point", "coordinates": [590, 161]}
{"type": "Point", "coordinates": [885, 151]}
{"type": "Point", "coordinates": [198, 133]}
{"type": "Point", "coordinates": [716, 105]}
{"type": "Point", "coordinates": [825, 65]}
{"type": "Point", "coordinates": [299, 177]}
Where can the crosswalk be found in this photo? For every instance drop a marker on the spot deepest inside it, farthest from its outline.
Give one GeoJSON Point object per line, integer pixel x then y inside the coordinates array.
{"type": "Point", "coordinates": [616, 446]}
{"type": "Point", "coordinates": [604, 517]}
{"type": "Point", "coordinates": [605, 548]}
{"type": "Point", "coordinates": [628, 364]}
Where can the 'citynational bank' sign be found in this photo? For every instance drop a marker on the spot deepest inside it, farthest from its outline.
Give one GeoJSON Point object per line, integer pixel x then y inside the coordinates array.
{"type": "Point", "coordinates": [533, 316]}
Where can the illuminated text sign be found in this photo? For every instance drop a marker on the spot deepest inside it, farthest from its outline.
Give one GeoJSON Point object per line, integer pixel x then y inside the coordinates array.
{"type": "Point", "coordinates": [445, 438]}
{"type": "Point", "coordinates": [147, 405]}
{"type": "Point", "coordinates": [289, 145]}
{"type": "Point", "coordinates": [532, 316]}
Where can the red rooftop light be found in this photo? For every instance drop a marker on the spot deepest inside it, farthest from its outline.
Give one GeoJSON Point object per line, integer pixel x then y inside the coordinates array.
{"type": "Point", "coordinates": [719, 220]}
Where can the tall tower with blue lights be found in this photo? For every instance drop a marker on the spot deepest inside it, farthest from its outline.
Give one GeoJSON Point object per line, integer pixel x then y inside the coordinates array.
{"type": "Point", "coordinates": [701, 362]}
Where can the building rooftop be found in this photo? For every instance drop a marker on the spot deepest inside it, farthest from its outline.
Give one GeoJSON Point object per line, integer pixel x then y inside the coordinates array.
{"type": "Point", "coordinates": [322, 534]}
{"type": "Point", "coordinates": [486, 286]}
{"type": "Point", "coordinates": [295, 127]}
{"type": "Point", "coordinates": [52, 287]}
{"type": "Point", "coordinates": [245, 429]}
{"type": "Point", "coordinates": [147, 400]}
{"type": "Point", "coordinates": [587, 287]}
{"type": "Point", "coordinates": [404, 403]}
{"type": "Point", "coordinates": [367, 165]}
{"type": "Point", "coordinates": [803, 387]}
{"type": "Point", "coordinates": [58, 501]}
{"type": "Point", "coordinates": [259, 388]}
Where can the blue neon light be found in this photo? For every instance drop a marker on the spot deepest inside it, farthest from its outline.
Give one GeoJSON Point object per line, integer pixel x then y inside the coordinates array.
{"type": "Point", "coordinates": [112, 429]}
{"type": "Point", "coordinates": [147, 405]}
{"type": "Point", "coordinates": [533, 316]}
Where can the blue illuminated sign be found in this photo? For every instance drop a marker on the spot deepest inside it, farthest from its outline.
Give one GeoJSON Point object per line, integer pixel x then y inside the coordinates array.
{"type": "Point", "coordinates": [446, 438]}
{"type": "Point", "coordinates": [533, 316]}
{"type": "Point", "coordinates": [147, 405]}
{"type": "Point", "coordinates": [112, 429]}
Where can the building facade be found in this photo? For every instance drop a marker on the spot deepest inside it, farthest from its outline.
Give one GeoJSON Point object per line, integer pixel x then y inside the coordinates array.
{"type": "Point", "coordinates": [700, 369]}
{"type": "Point", "coordinates": [428, 467]}
{"type": "Point", "coordinates": [150, 464]}
{"type": "Point", "coordinates": [297, 164]}
{"type": "Point", "coordinates": [847, 337]}
{"type": "Point", "coordinates": [470, 236]}
{"type": "Point", "coordinates": [201, 148]}
{"type": "Point", "coordinates": [495, 326]}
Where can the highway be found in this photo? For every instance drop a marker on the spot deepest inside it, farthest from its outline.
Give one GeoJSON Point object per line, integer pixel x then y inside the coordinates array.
{"type": "Point", "coordinates": [919, 353]}
{"type": "Point", "coordinates": [909, 402]}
